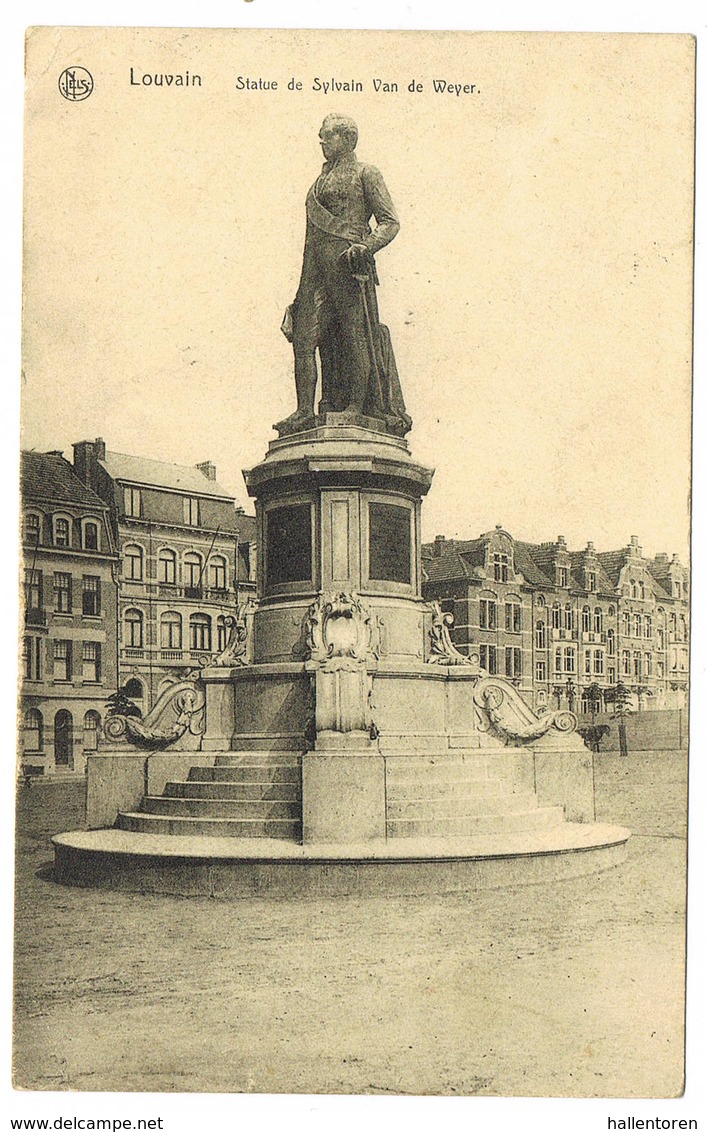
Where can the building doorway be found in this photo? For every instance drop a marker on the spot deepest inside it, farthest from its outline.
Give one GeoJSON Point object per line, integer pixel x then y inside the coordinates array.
{"type": "Point", "coordinates": [63, 739]}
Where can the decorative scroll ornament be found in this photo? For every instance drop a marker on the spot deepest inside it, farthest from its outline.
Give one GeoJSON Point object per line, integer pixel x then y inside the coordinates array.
{"type": "Point", "coordinates": [507, 713]}
{"type": "Point", "coordinates": [340, 633]}
{"type": "Point", "coordinates": [236, 651]}
{"type": "Point", "coordinates": [442, 650]}
{"type": "Point", "coordinates": [178, 713]}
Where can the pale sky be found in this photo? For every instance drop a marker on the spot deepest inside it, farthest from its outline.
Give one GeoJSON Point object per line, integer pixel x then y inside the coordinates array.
{"type": "Point", "coordinates": [538, 294]}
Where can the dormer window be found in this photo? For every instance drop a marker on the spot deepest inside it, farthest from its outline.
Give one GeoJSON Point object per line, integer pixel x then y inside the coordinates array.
{"type": "Point", "coordinates": [191, 512]}
{"type": "Point", "coordinates": [62, 532]}
{"type": "Point", "coordinates": [500, 567]}
{"type": "Point", "coordinates": [32, 529]}
{"type": "Point", "coordinates": [563, 576]}
{"type": "Point", "coordinates": [133, 502]}
{"type": "Point", "coordinates": [90, 536]}
{"type": "Point", "coordinates": [591, 581]}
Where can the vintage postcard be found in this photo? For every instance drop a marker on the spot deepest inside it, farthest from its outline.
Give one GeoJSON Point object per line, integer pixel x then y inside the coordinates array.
{"type": "Point", "coordinates": [356, 411]}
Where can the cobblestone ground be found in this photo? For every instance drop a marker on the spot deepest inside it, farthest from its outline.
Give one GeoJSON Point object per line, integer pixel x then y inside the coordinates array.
{"type": "Point", "coordinates": [567, 989]}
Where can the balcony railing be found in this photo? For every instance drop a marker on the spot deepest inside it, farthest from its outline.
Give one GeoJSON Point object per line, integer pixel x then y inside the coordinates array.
{"type": "Point", "coordinates": [172, 654]}
{"type": "Point", "coordinates": [134, 654]}
{"type": "Point", "coordinates": [35, 617]}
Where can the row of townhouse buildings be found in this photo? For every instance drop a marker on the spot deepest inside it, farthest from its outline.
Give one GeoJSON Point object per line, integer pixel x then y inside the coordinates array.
{"type": "Point", "coordinates": [131, 567]}
{"type": "Point", "coordinates": [567, 626]}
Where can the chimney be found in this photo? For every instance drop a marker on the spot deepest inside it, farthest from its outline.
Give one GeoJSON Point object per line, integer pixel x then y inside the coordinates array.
{"type": "Point", "coordinates": [662, 559]}
{"type": "Point", "coordinates": [208, 469]}
{"type": "Point", "coordinates": [635, 548]}
{"type": "Point", "coordinates": [439, 547]}
{"type": "Point", "coordinates": [561, 541]}
{"type": "Point", "coordinates": [87, 453]}
{"type": "Point", "coordinates": [590, 547]}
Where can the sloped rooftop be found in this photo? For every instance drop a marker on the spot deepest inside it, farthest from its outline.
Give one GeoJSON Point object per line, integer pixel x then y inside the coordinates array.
{"type": "Point", "coordinates": [48, 476]}
{"type": "Point", "coordinates": [157, 473]}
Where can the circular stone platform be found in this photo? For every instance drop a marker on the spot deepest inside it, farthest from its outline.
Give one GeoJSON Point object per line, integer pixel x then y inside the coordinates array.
{"type": "Point", "coordinates": [230, 868]}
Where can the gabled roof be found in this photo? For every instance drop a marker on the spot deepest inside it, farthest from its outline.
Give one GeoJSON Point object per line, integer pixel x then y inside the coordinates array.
{"type": "Point", "coordinates": [157, 473]}
{"type": "Point", "coordinates": [524, 557]}
{"type": "Point", "coordinates": [48, 477]}
{"type": "Point", "coordinates": [449, 567]}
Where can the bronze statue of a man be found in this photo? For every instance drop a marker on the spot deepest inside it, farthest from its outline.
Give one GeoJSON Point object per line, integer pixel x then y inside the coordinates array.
{"type": "Point", "coordinates": [335, 310]}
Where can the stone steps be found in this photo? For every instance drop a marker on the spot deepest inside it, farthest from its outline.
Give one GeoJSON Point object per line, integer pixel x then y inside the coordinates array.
{"type": "Point", "coordinates": [445, 768]}
{"type": "Point", "coordinates": [287, 828]}
{"type": "Point", "coordinates": [404, 789]}
{"type": "Point", "coordinates": [264, 773]}
{"type": "Point", "coordinates": [253, 791]}
{"type": "Point", "coordinates": [459, 807]}
{"type": "Point", "coordinates": [527, 821]}
{"type": "Point", "coordinates": [259, 758]}
{"type": "Point", "coordinates": [262, 808]}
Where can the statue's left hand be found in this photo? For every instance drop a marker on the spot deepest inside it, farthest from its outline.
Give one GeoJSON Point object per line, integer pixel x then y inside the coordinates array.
{"type": "Point", "coordinates": [358, 258]}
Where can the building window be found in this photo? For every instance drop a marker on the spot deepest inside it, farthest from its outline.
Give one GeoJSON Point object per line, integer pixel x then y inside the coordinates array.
{"type": "Point", "coordinates": [487, 657]}
{"type": "Point", "coordinates": [661, 640]}
{"type": "Point", "coordinates": [556, 616]}
{"type": "Point", "coordinates": [540, 635]}
{"type": "Point", "coordinates": [32, 529]}
{"type": "Point", "coordinates": [611, 641]}
{"type": "Point", "coordinates": [62, 593]}
{"type": "Point", "coordinates": [634, 588]}
{"type": "Point", "coordinates": [648, 626]}
{"type": "Point", "coordinates": [648, 664]}
{"type": "Point", "coordinates": [626, 623]}
{"type": "Point", "coordinates": [570, 660]}
{"type": "Point", "coordinates": [586, 619]}
{"type": "Point", "coordinates": [171, 631]}
{"type": "Point", "coordinates": [660, 669]}
{"type": "Point", "coordinates": [540, 601]}
{"type": "Point", "coordinates": [33, 589]}
{"type": "Point", "coordinates": [132, 564]}
{"type": "Point", "coordinates": [133, 629]}
{"type": "Point", "coordinates": [587, 662]}
{"type": "Point", "coordinates": [625, 662]}
{"type": "Point", "coordinates": [91, 596]}
{"type": "Point", "coordinates": [683, 627]}
{"type": "Point", "coordinates": [133, 502]}
{"type": "Point", "coordinates": [32, 658]}
{"type": "Point", "coordinates": [133, 689]}
{"type": "Point", "coordinates": [637, 625]}
{"type": "Point", "coordinates": [558, 660]}
{"type": "Point", "coordinates": [500, 567]}
{"type": "Point", "coordinates": [200, 632]}
{"type": "Point", "coordinates": [540, 671]}
{"type": "Point", "coordinates": [221, 634]}
{"type": "Point", "coordinates": [598, 662]}
{"type": "Point", "coordinates": [591, 581]}
{"type": "Point", "coordinates": [563, 577]}
{"type": "Point", "coordinates": [90, 536]}
{"type": "Point", "coordinates": [487, 613]}
{"type": "Point", "coordinates": [91, 661]}
{"type": "Point", "coordinates": [513, 662]}
{"type": "Point", "coordinates": [62, 532]}
{"type": "Point", "coordinates": [91, 731]}
{"type": "Point", "coordinates": [569, 618]}
{"type": "Point", "coordinates": [63, 738]}
{"type": "Point", "coordinates": [612, 674]}
{"type": "Point", "coordinates": [33, 738]}
{"type": "Point", "coordinates": [641, 591]}
{"type": "Point", "coordinates": [167, 568]}
{"type": "Point", "coordinates": [611, 612]}
{"type": "Point", "coordinates": [217, 573]}
{"type": "Point", "coordinates": [62, 660]}
{"type": "Point", "coordinates": [513, 617]}
{"type": "Point", "coordinates": [191, 512]}
{"type": "Point", "coordinates": [637, 665]}
{"type": "Point", "coordinates": [598, 620]}
{"type": "Point", "coordinates": [192, 575]}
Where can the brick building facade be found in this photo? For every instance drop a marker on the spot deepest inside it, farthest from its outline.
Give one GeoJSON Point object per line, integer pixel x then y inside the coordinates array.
{"type": "Point", "coordinates": [187, 558]}
{"type": "Point", "coordinates": [567, 626]}
{"type": "Point", "coordinates": [69, 649]}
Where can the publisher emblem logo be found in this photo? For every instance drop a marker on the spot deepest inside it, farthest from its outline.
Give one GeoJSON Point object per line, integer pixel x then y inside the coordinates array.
{"type": "Point", "coordinates": [75, 84]}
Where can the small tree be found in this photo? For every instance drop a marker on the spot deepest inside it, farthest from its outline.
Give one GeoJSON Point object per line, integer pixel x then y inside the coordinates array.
{"type": "Point", "coordinates": [121, 704]}
{"type": "Point", "coordinates": [595, 695]}
{"type": "Point", "coordinates": [622, 705]}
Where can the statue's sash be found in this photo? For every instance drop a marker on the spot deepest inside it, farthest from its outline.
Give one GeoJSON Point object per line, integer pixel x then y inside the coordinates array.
{"type": "Point", "coordinates": [321, 218]}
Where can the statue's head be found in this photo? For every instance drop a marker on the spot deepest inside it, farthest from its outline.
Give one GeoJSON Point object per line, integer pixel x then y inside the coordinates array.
{"type": "Point", "coordinates": [339, 134]}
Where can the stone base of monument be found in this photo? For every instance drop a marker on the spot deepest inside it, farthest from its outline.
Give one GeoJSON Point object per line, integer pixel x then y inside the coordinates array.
{"type": "Point", "coordinates": [340, 743]}
{"type": "Point", "coordinates": [233, 868]}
